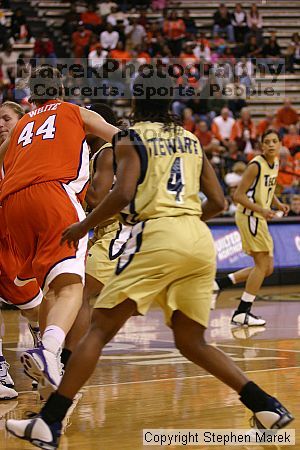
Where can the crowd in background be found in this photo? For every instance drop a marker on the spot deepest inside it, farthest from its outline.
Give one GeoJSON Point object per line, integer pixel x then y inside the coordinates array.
{"type": "Point", "coordinates": [227, 57]}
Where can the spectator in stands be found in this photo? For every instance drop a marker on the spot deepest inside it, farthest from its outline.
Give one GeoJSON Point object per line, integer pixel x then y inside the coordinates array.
{"type": "Point", "coordinates": [187, 56]}
{"type": "Point", "coordinates": [117, 17]}
{"type": "Point", "coordinates": [291, 140]}
{"type": "Point", "coordinates": [158, 5]}
{"type": "Point", "coordinates": [120, 54]}
{"type": "Point", "coordinates": [202, 52]}
{"type": "Point", "coordinates": [222, 23]}
{"type": "Point", "coordinates": [141, 54]}
{"type": "Point", "coordinates": [286, 116]}
{"type": "Point", "coordinates": [293, 52]}
{"type": "Point", "coordinates": [222, 125]}
{"type": "Point", "coordinates": [255, 24]}
{"type": "Point", "coordinates": [190, 24]}
{"type": "Point", "coordinates": [97, 57]}
{"type": "Point", "coordinates": [203, 134]}
{"type": "Point", "coordinates": [236, 93]}
{"type": "Point", "coordinates": [188, 120]}
{"type": "Point", "coordinates": [295, 206]}
{"type": "Point", "coordinates": [104, 7]}
{"type": "Point", "coordinates": [215, 104]}
{"type": "Point", "coordinates": [174, 30]}
{"type": "Point", "coordinates": [252, 49]}
{"type": "Point", "coordinates": [285, 179]}
{"type": "Point", "coordinates": [44, 48]}
{"type": "Point", "coordinates": [244, 123]}
{"type": "Point", "coordinates": [8, 59]}
{"type": "Point", "coordinates": [20, 30]}
{"type": "Point", "coordinates": [271, 52]}
{"type": "Point", "coordinates": [267, 122]}
{"type": "Point", "coordinates": [81, 40]}
{"type": "Point", "coordinates": [71, 20]}
{"type": "Point", "coordinates": [239, 22]}
{"type": "Point", "coordinates": [91, 19]}
{"type": "Point", "coordinates": [135, 33]}
{"type": "Point", "coordinates": [109, 38]}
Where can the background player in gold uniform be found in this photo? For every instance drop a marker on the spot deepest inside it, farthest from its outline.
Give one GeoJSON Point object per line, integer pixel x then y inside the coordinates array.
{"type": "Point", "coordinates": [170, 259]}
{"type": "Point", "coordinates": [255, 196]}
{"type": "Point", "coordinates": [108, 240]}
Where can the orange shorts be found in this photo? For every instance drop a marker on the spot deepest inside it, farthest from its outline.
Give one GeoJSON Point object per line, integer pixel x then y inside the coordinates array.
{"type": "Point", "coordinates": [25, 297]}
{"type": "Point", "coordinates": [36, 217]}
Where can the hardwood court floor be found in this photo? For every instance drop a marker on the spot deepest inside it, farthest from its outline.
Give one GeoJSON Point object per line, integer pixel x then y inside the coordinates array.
{"type": "Point", "coordinates": [143, 382]}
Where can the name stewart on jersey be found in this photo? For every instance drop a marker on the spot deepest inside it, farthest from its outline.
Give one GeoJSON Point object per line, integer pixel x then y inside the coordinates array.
{"type": "Point", "coordinates": [49, 107]}
{"type": "Point", "coordinates": [171, 165]}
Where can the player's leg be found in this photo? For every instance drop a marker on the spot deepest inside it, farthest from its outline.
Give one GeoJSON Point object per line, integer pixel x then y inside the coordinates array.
{"type": "Point", "coordinates": [32, 317]}
{"type": "Point", "coordinates": [190, 341]}
{"type": "Point", "coordinates": [263, 268]}
{"type": "Point", "coordinates": [91, 289]}
{"type": "Point", "coordinates": [46, 428]}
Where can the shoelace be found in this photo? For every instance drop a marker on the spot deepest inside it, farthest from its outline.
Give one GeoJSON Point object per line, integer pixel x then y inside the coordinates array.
{"type": "Point", "coordinates": [6, 366]}
{"type": "Point", "coordinates": [252, 315]}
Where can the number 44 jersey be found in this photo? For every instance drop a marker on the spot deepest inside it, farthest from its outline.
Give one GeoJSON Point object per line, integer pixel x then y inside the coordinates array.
{"type": "Point", "coordinates": [171, 165]}
{"type": "Point", "coordinates": [47, 144]}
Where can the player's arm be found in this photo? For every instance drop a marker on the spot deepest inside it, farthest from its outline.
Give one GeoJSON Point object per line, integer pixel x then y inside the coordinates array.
{"type": "Point", "coordinates": [95, 124]}
{"type": "Point", "coordinates": [128, 173]}
{"type": "Point", "coordinates": [281, 206]}
{"type": "Point", "coordinates": [240, 195]}
{"type": "Point", "coordinates": [102, 180]}
{"type": "Point", "coordinates": [210, 186]}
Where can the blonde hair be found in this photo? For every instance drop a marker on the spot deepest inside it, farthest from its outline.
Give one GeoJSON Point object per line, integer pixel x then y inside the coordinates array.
{"type": "Point", "coordinates": [15, 107]}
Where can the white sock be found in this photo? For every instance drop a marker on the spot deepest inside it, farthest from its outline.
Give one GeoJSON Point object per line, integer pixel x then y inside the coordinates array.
{"type": "Point", "coordinates": [249, 298]}
{"type": "Point", "coordinates": [53, 338]}
{"type": "Point", "coordinates": [1, 354]}
{"type": "Point", "coordinates": [232, 277]}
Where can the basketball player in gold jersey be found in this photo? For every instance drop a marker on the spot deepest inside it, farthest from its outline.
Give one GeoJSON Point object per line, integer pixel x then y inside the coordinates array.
{"type": "Point", "coordinates": [255, 196]}
{"type": "Point", "coordinates": [109, 239]}
{"type": "Point", "coordinates": [169, 258]}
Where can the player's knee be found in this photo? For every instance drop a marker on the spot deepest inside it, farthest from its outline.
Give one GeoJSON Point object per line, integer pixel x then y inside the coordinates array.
{"type": "Point", "coordinates": [270, 269]}
{"type": "Point", "coordinates": [187, 345]}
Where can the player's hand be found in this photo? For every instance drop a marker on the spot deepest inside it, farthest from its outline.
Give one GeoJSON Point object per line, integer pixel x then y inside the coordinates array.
{"type": "Point", "coordinates": [73, 234]}
{"type": "Point", "coordinates": [268, 214]}
{"type": "Point", "coordinates": [284, 208]}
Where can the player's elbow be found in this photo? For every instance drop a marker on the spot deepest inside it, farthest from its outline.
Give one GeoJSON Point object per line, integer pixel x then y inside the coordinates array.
{"type": "Point", "coordinates": [125, 194]}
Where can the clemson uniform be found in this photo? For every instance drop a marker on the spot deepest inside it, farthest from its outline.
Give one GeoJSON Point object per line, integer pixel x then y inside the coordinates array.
{"type": "Point", "coordinates": [46, 174]}
{"type": "Point", "coordinates": [252, 226]}
{"type": "Point", "coordinates": [169, 257]}
{"type": "Point", "coordinates": [25, 297]}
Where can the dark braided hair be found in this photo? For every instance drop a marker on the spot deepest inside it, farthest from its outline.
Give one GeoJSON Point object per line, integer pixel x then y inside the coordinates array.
{"type": "Point", "coordinates": [105, 111]}
{"type": "Point", "coordinates": [153, 107]}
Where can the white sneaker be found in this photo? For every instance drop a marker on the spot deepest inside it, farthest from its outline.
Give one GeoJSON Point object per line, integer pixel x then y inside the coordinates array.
{"type": "Point", "coordinates": [36, 431]}
{"type": "Point", "coordinates": [42, 366]}
{"type": "Point", "coordinates": [7, 393]}
{"type": "Point", "coordinates": [247, 319]}
{"type": "Point", "coordinates": [5, 377]}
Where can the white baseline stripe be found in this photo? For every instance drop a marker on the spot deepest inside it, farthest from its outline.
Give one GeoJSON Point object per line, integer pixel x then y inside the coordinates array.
{"type": "Point", "coordinates": [91, 386]}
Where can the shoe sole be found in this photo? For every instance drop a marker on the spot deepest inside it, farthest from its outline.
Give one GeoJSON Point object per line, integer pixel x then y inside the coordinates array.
{"type": "Point", "coordinates": [35, 372]}
{"type": "Point", "coordinates": [246, 325]}
{"type": "Point", "coordinates": [8, 398]}
{"type": "Point", "coordinates": [284, 421]}
{"type": "Point", "coordinates": [35, 442]}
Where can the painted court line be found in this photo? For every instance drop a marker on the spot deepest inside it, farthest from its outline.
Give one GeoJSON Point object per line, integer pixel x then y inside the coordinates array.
{"type": "Point", "coordinates": [169, 379]}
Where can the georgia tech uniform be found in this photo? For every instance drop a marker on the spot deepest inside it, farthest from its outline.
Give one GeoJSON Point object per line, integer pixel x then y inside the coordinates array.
{"type": "Point", "coordinates": [108, 241]}
{"type": "Point", "coordinates": [253, 226]}
{"type": "Point", "coordinates": [170, 256]}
